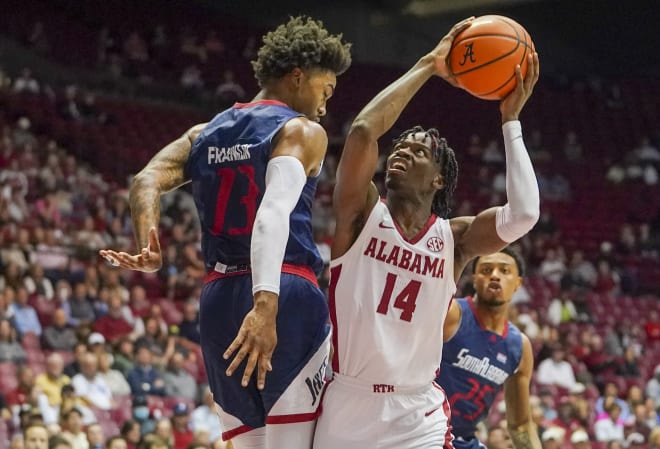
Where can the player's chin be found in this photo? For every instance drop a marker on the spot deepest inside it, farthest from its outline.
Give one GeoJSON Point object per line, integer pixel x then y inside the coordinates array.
{"type": "Point", "coordinates": [492, 301]}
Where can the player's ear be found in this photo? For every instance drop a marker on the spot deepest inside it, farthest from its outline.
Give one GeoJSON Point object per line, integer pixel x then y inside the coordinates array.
{"type": "Point", "coordinates": [296, 76]}
{"type": "Point", "coordinates": [518, 283]}
{"type": "Point", "coordinates": [439, 182]}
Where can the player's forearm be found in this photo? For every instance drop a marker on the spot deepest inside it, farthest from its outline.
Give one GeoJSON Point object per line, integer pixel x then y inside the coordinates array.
{"type": "Point", "coordinates": [144, 200]}
{"type": "Point", "coordinates": [525, 436]}
{"type": "Point", "coordinates": [380, 114]}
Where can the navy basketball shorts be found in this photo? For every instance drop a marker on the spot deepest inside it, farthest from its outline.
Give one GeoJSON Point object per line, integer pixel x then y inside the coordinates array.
{"type": "Point", "coordinates": [293, 388]}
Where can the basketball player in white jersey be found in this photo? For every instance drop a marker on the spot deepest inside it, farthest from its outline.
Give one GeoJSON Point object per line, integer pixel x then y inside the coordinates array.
{"type": "Point", "coordinates": [396, 262]}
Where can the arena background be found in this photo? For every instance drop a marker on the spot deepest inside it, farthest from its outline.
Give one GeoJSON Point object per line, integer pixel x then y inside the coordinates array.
{"type": "Point", "coordinates": [106, 90]}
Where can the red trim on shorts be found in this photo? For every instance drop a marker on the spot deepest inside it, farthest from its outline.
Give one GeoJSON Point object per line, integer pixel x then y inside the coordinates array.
{"type": "Point", "coordinates": [259, 103]}
{"type": "Point", "coordinates": [335, 273]}
{"type": "Point", "coordinates": [298, 270]}
{"type": "Point", "coordinates": [235, 432]}
{"type": "Point", "coordinates": [290, 419]}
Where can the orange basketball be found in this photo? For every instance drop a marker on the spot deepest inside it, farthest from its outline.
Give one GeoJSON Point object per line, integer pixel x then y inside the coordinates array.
{"type": "Point", "coordinates": [483, 57]}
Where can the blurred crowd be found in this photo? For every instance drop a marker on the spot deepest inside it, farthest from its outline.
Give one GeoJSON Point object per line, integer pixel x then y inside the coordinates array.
{"type": "Point", "coordinates": [99, 355]}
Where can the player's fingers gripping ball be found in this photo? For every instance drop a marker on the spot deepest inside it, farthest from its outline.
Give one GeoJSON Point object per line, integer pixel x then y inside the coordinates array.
{"type": "Point", "coordinates": [483, 57]}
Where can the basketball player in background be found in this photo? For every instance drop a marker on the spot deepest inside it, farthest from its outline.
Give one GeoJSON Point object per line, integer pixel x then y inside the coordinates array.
{"type": "Point", "coordinates": [396, 262]}
{"type": "Point", "coordinates": [483, 352]}
{"type": "Point", "coordinates": [254, 170]}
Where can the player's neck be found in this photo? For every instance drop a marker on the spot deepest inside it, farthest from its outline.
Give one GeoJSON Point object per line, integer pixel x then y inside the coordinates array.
{"type": "Point", "coordinates": [492, 318]}
{"type": "Point", "coordinates": [411, 216]}
{"type": "Point", "coordinates": [273, 92]}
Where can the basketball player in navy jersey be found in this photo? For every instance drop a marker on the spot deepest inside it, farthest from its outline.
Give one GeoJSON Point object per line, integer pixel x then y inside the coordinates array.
{"type": "Point", "coordinates": [254, 170]}
{"type": "Point", "coordinates": [395, 263]}
{"type": "Point", "coordinates": [483, 353]}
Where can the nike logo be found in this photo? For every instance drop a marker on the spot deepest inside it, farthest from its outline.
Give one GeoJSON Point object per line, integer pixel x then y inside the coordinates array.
{"type": "Point", "coordinates": [431, 412]}
{"type": "Point", "coordinates": [384, 226]}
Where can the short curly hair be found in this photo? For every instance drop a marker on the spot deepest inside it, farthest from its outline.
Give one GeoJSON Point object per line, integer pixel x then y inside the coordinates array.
{"type": "Point", "coordinates": [301, 42]}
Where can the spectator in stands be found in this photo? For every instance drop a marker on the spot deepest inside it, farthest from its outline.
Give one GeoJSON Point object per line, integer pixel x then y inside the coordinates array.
{"type": "Point", "coordinates": [229, 91]}
{"type": "Point", "coordinates": [117, 442]}
{"type": "Point", "coordinates": [163, 431]}
{"type": "Point", "coordinates": [72, 428]}
{"type": "Point", "coordinates": [556, 370]}
{"type": "Point", "coordinates": [573, 150]}
{"type": "Point", "coordinates": [552, 267]}
{"type": "Point", "coordinates": [95, 437]}
{"type": "Point", "coordinates": [597, 361]}
{"type": "Point", "coordinates": [114, 379]}
{"type": "Point", "coordinates": [113, 325]}
{"type": "Point", "coordinates": [611, 394]}
{"type": "Point", "coordinates": [59, 336]}
{"type": "Point", "coordinates": [35, 437]}
{"type": "Point", "coordinates": [580, 274]}
{"type": "Point", "coordinates": [26, 83]}
{"type": "Point", "coordinates": [580, 439]}
{"type": "Point", "coordinates": [213, 44]}
{"type": "Point", "coordinates": [191, 78]}
{"type": "Point", "coordinates": [182, 434]}
{"type": "Point", "coordinates": [10, 349]}
{"type": "Point", "coordinates": [38, 284]}
{"type": "Point", "coordinates": [178, 382]}
{"type": "Point", "coordinates": [638, 421]}
{"type": "Point", "coordinates": [53, 379]}
{"type": "Point", "coordinates": [205, 416]}
{"type": "Point", "coordinates": [69, 108]}
{"type": "Point", "coordinates": [566, 416]}
{"type": "Point", "coordinates": [162, 344]}
{"type": "Point", "coordinates": [25, 317]}
{"type": "Point", "coordinates": [144, 378]}
{"type": "Point", "coordinates": [73, 368]}
{"type": "Point", "coordinates": [12, 276]}
{"type": "Point", "coordinates": [90, 386]}
{"type": "Point", "coordinates": [607, 281]}
{"type": "Point", "coordinates": [141, 424]}
{"type": "Point", "coordinates": [653, 385]}
{"type": "Point", "coordinates": [78, 307]}
{"type": "Point", "coordinates": [654, 438]}
{"type": "Point", "coordinates": [562, 309]}
{"type": "Point", "coordinates": [629, 366]}
{"type": "Point", "coordinates": [189, 325]}
{"type": "Point", "coordinates": [135, 48]}
{"type": "Point", "coordinates": [124, 355]}
{"type": "Point", "coordinates": [610, 426]}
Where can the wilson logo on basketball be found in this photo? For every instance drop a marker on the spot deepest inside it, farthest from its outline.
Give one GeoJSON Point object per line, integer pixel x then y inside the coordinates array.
{"type": "Point", "coordinates": [435, 244]}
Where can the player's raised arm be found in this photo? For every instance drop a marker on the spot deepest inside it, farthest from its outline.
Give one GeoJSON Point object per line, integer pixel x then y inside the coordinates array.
{"type": "Point", "coordinates": [163, 173]}
{"type": "Point", "coordinates": [522, 428]}
{"type": "Point", "coordinates": [494, 228]}
{"type": "Point", "coordinates": [354, 193]}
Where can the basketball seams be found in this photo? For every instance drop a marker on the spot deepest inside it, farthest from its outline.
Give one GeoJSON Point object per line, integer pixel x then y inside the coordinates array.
{"type": "Point", "coordinates": [501, 29]}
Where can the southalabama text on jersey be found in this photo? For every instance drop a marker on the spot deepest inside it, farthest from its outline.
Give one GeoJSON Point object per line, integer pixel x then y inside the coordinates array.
{"type": "Point", "coordinates": [404, 258]}
{"type": "Point", "coordinates": [482, 367]}
{"type": "Point", "coordinates": [238, 152]}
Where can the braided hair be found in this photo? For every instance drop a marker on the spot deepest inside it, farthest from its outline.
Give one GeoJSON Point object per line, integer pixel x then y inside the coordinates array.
{"type": "Point", "coordinates": [445, 157]}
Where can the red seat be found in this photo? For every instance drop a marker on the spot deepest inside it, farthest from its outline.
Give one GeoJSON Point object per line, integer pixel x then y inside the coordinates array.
{"type": "Point", "coordinates": [30, 341]}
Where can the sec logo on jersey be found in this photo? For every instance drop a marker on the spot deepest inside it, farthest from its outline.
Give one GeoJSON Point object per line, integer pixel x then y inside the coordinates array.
{"type": "Point", "coordinates": [435, 244]}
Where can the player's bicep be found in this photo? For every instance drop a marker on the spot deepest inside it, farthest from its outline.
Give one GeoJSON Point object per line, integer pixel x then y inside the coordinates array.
{"type": "Point", "coordinates": [480, 236]}
{"type": "Point", "coordinates": [166, 169]}
{"type": "Point", "coordinates": [354, 192]}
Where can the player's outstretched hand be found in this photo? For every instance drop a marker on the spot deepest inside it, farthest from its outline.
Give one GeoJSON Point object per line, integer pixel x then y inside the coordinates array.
{"type": "Point", "coordinates": [441, 52]}
{"type": "Point", "coordinates": [150, 259]}
{"type": "Point", "coordinates": [513, 103]}
{"type": "Point", "coordinates": [256, 340]}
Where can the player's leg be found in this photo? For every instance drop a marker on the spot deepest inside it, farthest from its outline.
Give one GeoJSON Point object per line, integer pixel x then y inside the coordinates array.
{"type": "Point", "coordinates": [223, 305]}
{"type": "Point", "coordinates": [294, 387]}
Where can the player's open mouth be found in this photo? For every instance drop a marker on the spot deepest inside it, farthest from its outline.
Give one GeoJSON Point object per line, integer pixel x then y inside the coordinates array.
{"type": "Point", "coordinates": [494, 287]}
{"type": "Point", "coordinates": [398, 165]}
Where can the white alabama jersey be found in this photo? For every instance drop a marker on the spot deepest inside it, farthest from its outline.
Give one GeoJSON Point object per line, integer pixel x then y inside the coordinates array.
{"type": "Point", "coordinates": [388, 298]}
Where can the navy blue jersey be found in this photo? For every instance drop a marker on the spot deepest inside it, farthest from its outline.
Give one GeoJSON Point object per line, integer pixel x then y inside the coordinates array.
{"type": "Point", "coordinates": [475, 364]}
{"type": "Point", "coordinates": [227, 166]}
